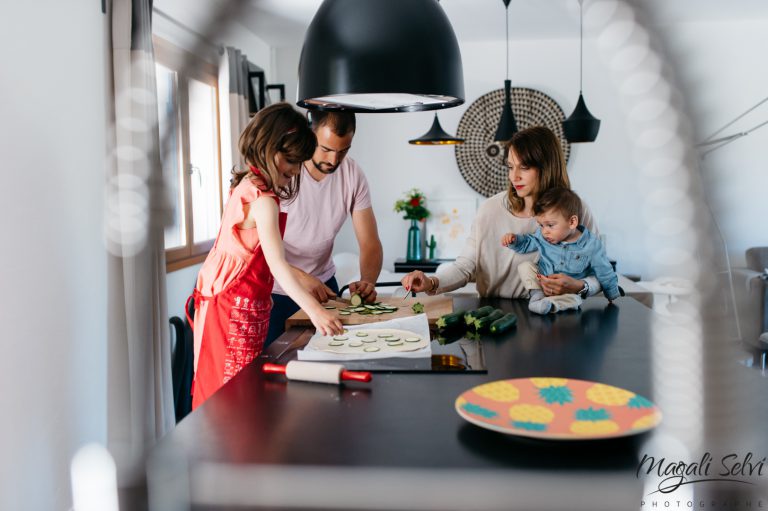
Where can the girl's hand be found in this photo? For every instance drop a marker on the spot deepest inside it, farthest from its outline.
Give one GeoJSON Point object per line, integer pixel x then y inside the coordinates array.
{"type": "Point", "coordinates": [326, 322]}
{"type": "Point", "coordinates": [416, 281]}
{"type": "Point", "coordinates": [507, 239]}
{"type": "Point", "coordinates": [559, 284]}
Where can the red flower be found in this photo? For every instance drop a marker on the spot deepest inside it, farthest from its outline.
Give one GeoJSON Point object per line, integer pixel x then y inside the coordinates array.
{"type": "Point", "coordinates": [415, 201]}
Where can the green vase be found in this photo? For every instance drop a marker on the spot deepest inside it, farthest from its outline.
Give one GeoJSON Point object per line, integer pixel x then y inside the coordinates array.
{"type": "Point", "coordinates": [414, 242]}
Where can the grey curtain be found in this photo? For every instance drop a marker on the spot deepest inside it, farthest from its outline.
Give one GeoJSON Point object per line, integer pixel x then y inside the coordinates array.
{"type": "Point", "coordinates": [140, 407]}
{"type": "Point", "coordinates": [233, 105]}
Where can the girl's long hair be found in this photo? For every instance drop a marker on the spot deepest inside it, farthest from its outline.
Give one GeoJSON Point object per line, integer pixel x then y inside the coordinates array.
{"type": "Point", "coordinates": [538, 147]}
{"type": "Point", "coordinates": [278, 128]}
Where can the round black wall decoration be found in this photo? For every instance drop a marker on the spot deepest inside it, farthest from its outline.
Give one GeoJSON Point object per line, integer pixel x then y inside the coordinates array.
{"type": "Point", "coordinates": [480, 159]}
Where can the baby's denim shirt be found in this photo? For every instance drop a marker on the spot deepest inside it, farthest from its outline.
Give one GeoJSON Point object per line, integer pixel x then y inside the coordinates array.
{"type": "Point", "coordinates": [577, 259]}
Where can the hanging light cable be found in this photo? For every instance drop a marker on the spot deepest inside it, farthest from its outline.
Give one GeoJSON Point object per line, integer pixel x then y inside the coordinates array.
{"type": "Point", "coordinates": [507, 124]}
{"type": "Point", "coordinates": [436, 135]}
{"type": "Point", "coordinates": [581, 125]}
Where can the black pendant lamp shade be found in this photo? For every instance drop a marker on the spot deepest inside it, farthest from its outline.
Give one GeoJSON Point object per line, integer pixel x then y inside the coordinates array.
{"type": "Point", "coordinates": [380, 56]}
{"type": "Point", "coordinates": [581, 126]}
{"type": "Point", "coordinates": [436, 136]}
{"type": "Point", "coordinates": [507, 124]}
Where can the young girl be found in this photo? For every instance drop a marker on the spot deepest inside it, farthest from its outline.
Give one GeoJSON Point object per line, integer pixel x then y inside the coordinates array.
{"type": "Point", "coordinates": [232, 296]}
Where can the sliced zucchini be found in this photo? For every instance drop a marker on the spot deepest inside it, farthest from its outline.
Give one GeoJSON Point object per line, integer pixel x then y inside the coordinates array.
{"type": "Point", "coordinates": [377, 313]}
{"type": "Point", "coordinates": [340, 338]}
{"type": "Point", "coordinates": [418, 308]}
{"type": "Point", "coordinates": [355, 344]}
{"type": "Point", "coordinates": [371, 307]}
{"type": "Point", "coordinates": [412, 339]}
{"type": "Point", "coordinates": [329, 307]}
{"type": "Point", "coordinates": [356, 300]}
{"type": "Point", "coordinates": [400, 343]}
{"type": "Point", "coordinates": [336, 343]}
{"type": "Point", "coordinates": [371, 349]}
{"type": "Point", "coordinates": [345, 313]}
{"type": "Point", "coordinates": [361, 334]}
{"type": "Point", "coordinates": [386, 336]}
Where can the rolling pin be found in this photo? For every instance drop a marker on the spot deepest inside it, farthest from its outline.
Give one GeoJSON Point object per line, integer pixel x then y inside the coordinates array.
{"type": "Point", "coordinates": [316, 372]}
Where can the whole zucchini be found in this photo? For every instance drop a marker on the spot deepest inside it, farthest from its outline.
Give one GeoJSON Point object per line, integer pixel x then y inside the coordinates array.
{"type": "Point", "coordinates": [484, 323]}
{"type": "Point", "coordinates": [450, 320]}
{"type": "Point", "coordinates": [503, 324]}
{"type": "Point", "coordinates": [471, 316]}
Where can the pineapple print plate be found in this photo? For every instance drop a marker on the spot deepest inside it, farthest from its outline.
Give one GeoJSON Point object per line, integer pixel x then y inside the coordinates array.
{"type": "Point", "coordinates": [557, 409]}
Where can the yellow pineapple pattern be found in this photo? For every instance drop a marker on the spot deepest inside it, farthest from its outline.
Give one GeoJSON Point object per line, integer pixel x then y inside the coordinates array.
{"type": "Point", "coordinates": [608, 395]}
{"type": "Point", "coordinates": [531, 413]}
{"type": "Point", "coordinates": [647, 421]}
{"type": "Point", "coordinates": [594, 427]}
{"type": "Point", "coordinates": [542, 383]}
{"type": "Point", "coordinates": [501, 391]}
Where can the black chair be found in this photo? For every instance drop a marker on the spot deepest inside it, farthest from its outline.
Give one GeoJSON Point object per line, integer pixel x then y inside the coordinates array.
{"type": "Point", "coordinates": [182, 364]}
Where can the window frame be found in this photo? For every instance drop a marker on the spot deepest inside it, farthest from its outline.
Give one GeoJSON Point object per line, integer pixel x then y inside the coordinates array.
{"type": "Point", "coordinates": [172, 57]}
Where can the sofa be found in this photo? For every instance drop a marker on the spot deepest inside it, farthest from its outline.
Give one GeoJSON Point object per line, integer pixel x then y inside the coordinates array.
{"type": "Point", "coordinates": [751, 289]}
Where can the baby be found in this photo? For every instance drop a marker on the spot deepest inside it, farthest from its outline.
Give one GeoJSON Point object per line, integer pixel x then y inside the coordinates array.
{"type": "Point", "coordinates": [565, 247]}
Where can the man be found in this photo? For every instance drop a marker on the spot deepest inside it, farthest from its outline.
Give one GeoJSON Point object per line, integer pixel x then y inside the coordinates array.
{"type": "Point", "coordinates": [332, 187]}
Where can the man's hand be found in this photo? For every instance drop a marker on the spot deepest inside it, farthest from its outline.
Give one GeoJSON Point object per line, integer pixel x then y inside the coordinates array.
{"type": "Point", "coordinates": [366, 290]}
{"type": "Point", "coordinates": [559, 284]}
{"type": "Point", "coordinates": [507, 239]}
{"type": "Point", "coordinates": [315, 287]}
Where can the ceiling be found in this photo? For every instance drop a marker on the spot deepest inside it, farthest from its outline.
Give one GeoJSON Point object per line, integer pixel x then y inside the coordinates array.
{"type": "Point", "coordinates": [282, 23]}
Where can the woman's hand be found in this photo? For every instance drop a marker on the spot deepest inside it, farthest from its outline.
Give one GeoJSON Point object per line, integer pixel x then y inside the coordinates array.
{"type": "Point", "coordinates": [559, 284]}
{"type": "Point", "coordinates": [416, 281]}
{"type": "Point", "coordinates": [326, 322]}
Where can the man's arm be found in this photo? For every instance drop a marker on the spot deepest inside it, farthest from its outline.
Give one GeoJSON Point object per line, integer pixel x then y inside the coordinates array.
{"type": "Point", "coordinates": [371, 253]}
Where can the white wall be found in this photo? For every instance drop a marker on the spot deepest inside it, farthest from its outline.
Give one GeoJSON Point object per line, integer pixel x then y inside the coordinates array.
{"type": "Point", "coordinates": [53, 268]}
{"type": "Point", "coordinates": [722, 67]}
{"type": "Point", "coordinates": [720, 72]}
{"type": "Point", "coordinates": [601, 172]}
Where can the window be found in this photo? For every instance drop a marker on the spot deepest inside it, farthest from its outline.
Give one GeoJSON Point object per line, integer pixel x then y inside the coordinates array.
{"type": "Point", "coordinates": [188, 112]}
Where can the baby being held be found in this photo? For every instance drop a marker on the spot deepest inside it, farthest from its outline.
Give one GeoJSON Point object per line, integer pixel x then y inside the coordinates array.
{"type": "Point", "coordinates": [565, 247]}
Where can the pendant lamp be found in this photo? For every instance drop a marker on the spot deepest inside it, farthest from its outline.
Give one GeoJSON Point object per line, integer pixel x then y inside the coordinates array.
{"type": "Point", "coordinates": [380, 56]}
{"type": "Point", "coordinates": [436, 136]}
{"type": "Point", "coordinates": [581, 125]}
{"type": "Point", "coordinates": [507, 124]}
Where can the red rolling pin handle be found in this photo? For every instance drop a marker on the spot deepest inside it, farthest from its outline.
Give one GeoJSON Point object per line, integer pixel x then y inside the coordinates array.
{"type": "Point", "coordinates": [273, 368]}
{"type": "Point", "coordinates": [363, 376]}
{"type": "Point", "coordinates": [356, 375]}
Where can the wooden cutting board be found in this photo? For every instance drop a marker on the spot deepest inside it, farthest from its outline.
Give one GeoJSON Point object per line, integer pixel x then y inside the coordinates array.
{"type": "Point", "coordinates": [434, 307]}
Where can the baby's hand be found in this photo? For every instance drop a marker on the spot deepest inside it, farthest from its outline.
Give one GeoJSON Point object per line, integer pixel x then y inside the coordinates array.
{"type": "Point", "coordinates": [507, 239]}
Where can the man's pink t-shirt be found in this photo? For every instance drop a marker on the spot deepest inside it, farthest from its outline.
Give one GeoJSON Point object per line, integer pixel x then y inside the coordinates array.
{"type": "Point", "coordinates": [317, 215]}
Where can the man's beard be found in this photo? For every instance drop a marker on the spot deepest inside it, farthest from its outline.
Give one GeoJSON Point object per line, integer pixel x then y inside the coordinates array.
{"type": "Point", "coordinates": [323, 170]}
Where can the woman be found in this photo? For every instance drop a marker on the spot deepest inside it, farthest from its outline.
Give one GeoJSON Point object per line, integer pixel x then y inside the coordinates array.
{"type": "Point", "coordinates": [232, 296]}
{"type": "Point", "coordinates": [536, 164]}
